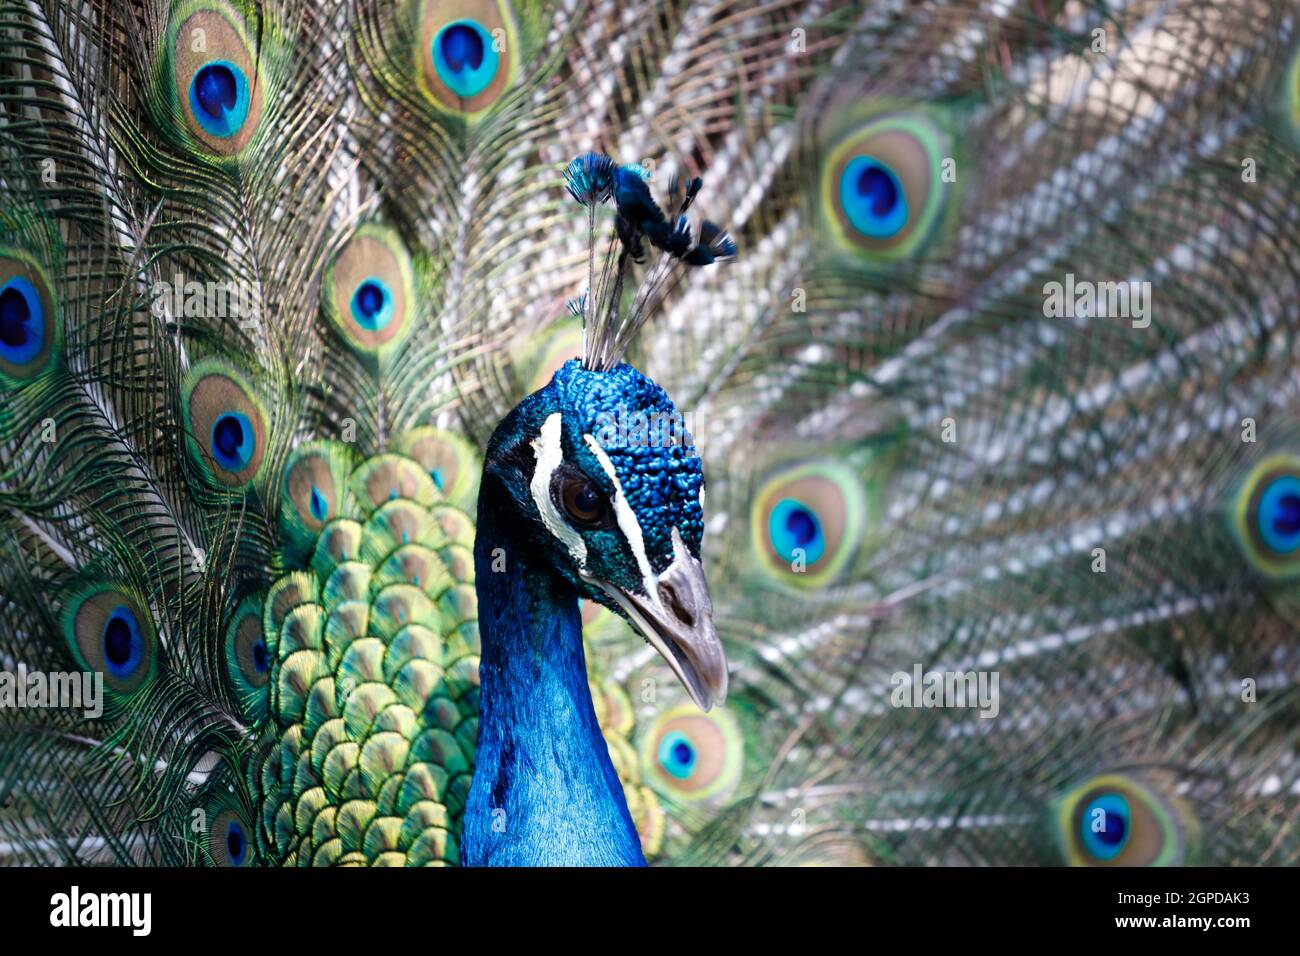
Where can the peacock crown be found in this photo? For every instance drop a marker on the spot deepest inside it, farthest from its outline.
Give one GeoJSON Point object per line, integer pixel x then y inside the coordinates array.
{"type": "Point", "coordinates": [593, 180]}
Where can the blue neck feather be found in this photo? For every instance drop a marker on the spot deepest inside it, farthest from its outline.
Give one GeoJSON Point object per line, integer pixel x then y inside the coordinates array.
{"type": "Point", "coordinates": [545, 792]}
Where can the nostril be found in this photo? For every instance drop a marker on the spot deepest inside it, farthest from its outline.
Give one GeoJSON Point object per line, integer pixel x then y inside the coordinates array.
{"type": "Point", "coordinates": [668, 595]}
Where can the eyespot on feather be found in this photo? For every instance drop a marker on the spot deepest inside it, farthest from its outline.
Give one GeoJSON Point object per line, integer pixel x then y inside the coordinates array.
{"type": "Point", "coordinates": [226, 424]}
{"type": "Point", "coordinates": [248, 658]}
{"type": "Point", "coordinates": [688, 756]}
{"type": "Point", "coordinates": [30, 331]}
{"type": "Point", "coordinates": [1122, 820]}
{"type": "Point", "coordinates": [369, 291]}
{"type": "Point", "coordinates": [109, 630]}
{"type": "Point", "coordinates": [807, 521]}
{"type": "Point", "coordinates": [467, 54]}
{"type": "Point", "coordinates": [214, 69]}
{"type": "Point", "coordinates": [882, 195]}
{"type": "Point", "coordinates": [230, 838]}
{"type": "Point", "coordinates": [1265, 516]}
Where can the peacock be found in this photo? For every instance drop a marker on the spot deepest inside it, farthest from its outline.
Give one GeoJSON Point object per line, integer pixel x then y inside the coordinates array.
{"type": "Point", "coordinates": [685, 432]}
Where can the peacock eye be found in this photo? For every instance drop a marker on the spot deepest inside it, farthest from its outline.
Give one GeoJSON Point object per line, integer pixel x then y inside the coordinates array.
{"type": "Point", "coordinates": [230, 839]}
{"type": "Point", "coordinates": [582, 502]}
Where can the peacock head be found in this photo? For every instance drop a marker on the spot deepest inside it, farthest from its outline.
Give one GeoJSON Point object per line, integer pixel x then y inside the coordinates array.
{"type": "Point", "coordinates": [608, 490]}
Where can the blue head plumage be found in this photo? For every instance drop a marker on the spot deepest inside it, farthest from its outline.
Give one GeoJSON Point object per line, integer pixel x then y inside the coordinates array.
{"type": "Point", "coordinates": [603, 472]}
{"type": "Point", "coordinates": [645, 439]}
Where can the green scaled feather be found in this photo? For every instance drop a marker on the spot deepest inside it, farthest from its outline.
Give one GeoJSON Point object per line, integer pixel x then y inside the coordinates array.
{"type": "Point", "coordinates": [313, 492]}
{"type": "Point", "coordinates": [374, 679]}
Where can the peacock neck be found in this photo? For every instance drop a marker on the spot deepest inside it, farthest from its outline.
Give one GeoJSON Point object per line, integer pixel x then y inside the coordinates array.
{"type": "Point", "coordinates": [544, 792]}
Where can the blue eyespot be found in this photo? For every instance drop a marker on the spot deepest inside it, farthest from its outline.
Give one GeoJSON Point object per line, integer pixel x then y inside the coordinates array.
{"type": "Point", "coordinates": [320, 508]}
{"type": "Point", "coordinates": [873, 198]}
{"type": "Point", "coordinates": [1104, 826]}
{"type": "Point", "coordinates": [793, 526]}
{"type": "Point", "coordinates": [261, 659]}
{"type": "Point", "coordinates": [22, 321]}
{"type": "Point", "coordinates": [232, 441]}
{"type": "Point", "coordinates": [1279, 514]}
{"type": "Point", "coordinates": [677, 755]}
{"type": "Point", "coordinates": [236, 843]}
{"type": "Point", "coordinates": [123, 643]}
{"type": "Point", "coordinates": [464, 58]}
{"type": "Point", "coordinates": [436, 475]}
{"type": "Point", "coordinates": [219, 98]}
{"type": "Point", "coordinates": [372, 305]}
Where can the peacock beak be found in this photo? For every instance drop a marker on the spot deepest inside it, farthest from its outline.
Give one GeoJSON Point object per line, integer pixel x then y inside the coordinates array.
{"type": "Point", "coordinates": [676, 617]}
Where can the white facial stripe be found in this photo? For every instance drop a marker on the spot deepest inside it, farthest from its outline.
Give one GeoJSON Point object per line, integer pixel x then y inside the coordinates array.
{"type": "Point", "coordinates": [549, 455]}
{"type": "Point", "coordinates": [627, 522]}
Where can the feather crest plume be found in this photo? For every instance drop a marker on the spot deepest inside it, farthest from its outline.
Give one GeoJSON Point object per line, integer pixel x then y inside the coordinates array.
{"type": "Point", "coordinates": [593, 179]}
